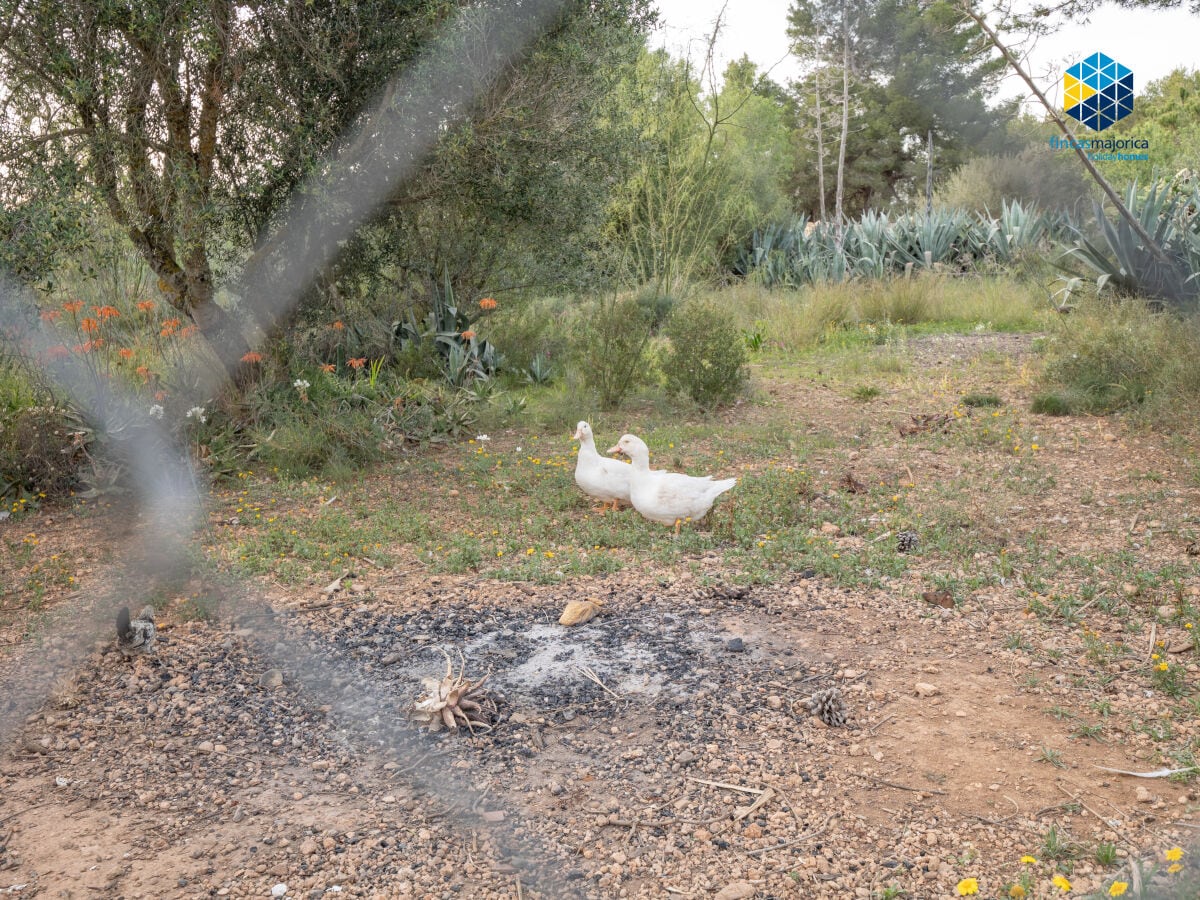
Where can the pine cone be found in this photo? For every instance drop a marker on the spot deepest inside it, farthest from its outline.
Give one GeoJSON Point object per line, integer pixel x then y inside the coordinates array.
{"type": "Point", "coordinates": [906, 541]}
{"type": "Point", "coordinates": [828, 706]}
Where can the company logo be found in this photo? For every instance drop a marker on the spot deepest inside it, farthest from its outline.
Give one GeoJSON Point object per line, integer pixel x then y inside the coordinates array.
{"type": "Point", "coordinates": [1098, 91]}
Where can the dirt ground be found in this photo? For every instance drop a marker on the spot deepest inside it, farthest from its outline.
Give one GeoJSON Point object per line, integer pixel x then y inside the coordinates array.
{"type": "Point", "coordinates": [662, 749]}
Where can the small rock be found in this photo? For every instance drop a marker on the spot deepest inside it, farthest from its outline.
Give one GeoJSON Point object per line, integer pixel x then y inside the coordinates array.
{"type": "Point", "coordinates": [830, 528]}
{"type": "Point", "coordinates": [774, 701]}
{"type": "Point", "coordinates": [1143, 795]}
{"type": "Point", "coordinates": [735, 645]}
{"type": "Point", "coordinates": [271, 679]}
{"type": "Point", "coordinates": [579, 611]}
{"type": "Point", "coordinates": [205, 746]}
{"type": "Point", "coordinates": [925, 689]}
{"type": "Point", "coordinates": [685, 757]}
{"type": "Point", "coordinates": [308, 847]}
{"type": "Point", "coordinates": [1166, 612]}
{"type": "Point", "coordinates": [739, 890]}
{"type": "Point", "coordinates": [279, 890]}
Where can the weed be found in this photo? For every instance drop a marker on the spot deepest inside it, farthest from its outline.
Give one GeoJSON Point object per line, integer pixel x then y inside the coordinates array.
{"type": "Point", "coordinates": [1092, 732]}
{"type": "Point", "coordinates": [1054, 846]}
{"type": "Point", "coordinates": [1106, 854]}
{"type": "Point", "coordinates": [1017, 641]}
{"type": "Point", "coordinates": [1052, 756]}
{"type": "Point", "coordinates": [1168, 676]}
{"type": "Point", "coordinates": [979, 400]}
{"type": "Point", "coordinates": [1103, 707]}
{"type": "Point", "coordinates": [865, 392]}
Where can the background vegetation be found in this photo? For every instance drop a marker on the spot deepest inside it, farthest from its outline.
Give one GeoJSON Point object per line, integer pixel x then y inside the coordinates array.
{"type": "Point", "coordinates": [601, 222]}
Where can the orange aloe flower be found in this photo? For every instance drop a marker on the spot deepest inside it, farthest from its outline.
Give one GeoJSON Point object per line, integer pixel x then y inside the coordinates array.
{"type": "Point", "coordinates": [328, 367]}
{"type": "Point", "coordinates": [73, 306]}
{"type": "Point", "coordinates": [145, 305]}
{"type": "Point", "coordinates": [107, 312]}
{"type": "Point", "coordinates": [357, 363]}
{"type": "Point", "coordinates": [487, 303]}
{"type": "Point", "coordinates": [252, 357]}
{"type": "Point", "coordinates": [468, 334]}
{"type": "Point", "coordinates": [89, 325]}
{"type": "Point", "coordinates": [338, 325]}
{"type": "Point", "coordinates": [125, 353]}
{"type": "Point", "coordinates": [188, 331]}
{"type": "Point", "coordinates": [58, 351]}
{"type": "Point", "coordinates": [144, 371]}
{"type": "Point", "coordinates": [160, 396]}
{"type": "Point", "coordinates": [49, 315]}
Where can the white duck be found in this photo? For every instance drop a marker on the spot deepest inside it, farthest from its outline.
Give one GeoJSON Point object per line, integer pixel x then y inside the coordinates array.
{"type": "Point", "coordinates": [604, 479]}
{"type": "Point", "coordinates": [667, 497]}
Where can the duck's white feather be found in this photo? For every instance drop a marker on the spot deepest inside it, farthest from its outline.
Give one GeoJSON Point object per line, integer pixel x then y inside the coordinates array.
{"type": "Point", "coordinates": [598, 476]}
{"type": "Point", "coordinates": [668, 497]}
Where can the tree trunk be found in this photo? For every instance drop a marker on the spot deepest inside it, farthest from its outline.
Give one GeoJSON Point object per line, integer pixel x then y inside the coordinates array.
{"type": "Point", "coordinates": [841, 169]}
{"type": "Point", "coordinates": [820, 137]}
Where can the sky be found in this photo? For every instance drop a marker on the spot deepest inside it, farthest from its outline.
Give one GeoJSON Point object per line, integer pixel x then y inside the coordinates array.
{"type": "Point", "coordinates": [1150, 42]}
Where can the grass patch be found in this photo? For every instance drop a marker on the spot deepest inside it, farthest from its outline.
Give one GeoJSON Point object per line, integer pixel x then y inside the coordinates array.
{"type": "Point", "coordinates": [1114, 355]}
{"type": "Point", "coordinates": [797, 320]}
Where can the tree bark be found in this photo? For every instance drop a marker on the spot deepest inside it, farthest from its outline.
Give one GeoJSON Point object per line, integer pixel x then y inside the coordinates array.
{"type": "Point", "coordinates": [820, 137]}
{"type": "Point", "coordinates": [841, 169]}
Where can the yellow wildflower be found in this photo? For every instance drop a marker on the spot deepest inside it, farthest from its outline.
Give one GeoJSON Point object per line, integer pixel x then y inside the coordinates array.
{"type": "Point", "coordinates": [967, 887]}
{"type": "Point", "coordinates": [1175, 854]}
{"type": "Point", "coordinates": [1028, 860]}
{"type": "Point", "coordinates": [1061, 883]}
{"type": "Point", "coordinates": [1117, 888]}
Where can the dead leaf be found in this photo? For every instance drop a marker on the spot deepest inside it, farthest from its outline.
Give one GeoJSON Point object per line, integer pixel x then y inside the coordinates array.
{"type": "Point", "coordinates": [926, 422]}
{"type": "Point", "coordinates": [851, 484]}
{"type": "Point", "coordinates": [941, 598]}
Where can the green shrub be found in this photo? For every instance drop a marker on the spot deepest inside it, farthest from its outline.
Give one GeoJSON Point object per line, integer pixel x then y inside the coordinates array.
{"type": "Point", "coordinates": [707, 359]}
{"type": "Point", "coordinates": [1035, 175]}
{"type": "Point", "coordinates": [1109, 356]}
{"type": "Point", "coordinates": [532, 334]}
{"type": "Point", "coordinates": [37, 453]}
{"type": "Point", "coordinates": [329, 424]}
{"type": "Point", "coordinates": [612, 349]}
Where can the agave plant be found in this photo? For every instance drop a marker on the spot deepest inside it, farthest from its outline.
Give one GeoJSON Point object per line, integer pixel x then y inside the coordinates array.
{"type": "Point", "coordinates": [447, 328]}
{"type": "Point", "coordinates": [1121, 261]}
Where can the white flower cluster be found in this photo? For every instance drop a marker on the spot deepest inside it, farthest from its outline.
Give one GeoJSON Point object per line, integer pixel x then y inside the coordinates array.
{"type": "Point", "coordinates": [197, 412]}
{"type": "Point", "coordinates": [156, 411]}
{"type": "Point", "coordinates": [301, 385]}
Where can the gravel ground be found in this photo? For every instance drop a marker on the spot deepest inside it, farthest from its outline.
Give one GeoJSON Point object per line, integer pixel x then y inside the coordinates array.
{"type": "Point", "coordinates": [276, 749]}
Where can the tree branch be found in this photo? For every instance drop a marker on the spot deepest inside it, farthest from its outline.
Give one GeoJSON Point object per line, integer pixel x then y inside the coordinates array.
{"type": "Point", "coordinates": [967, 7]}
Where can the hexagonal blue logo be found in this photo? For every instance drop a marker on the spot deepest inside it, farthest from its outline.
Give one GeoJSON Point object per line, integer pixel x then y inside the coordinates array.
{"type": "Point", "coordinates": [1098, 91]}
